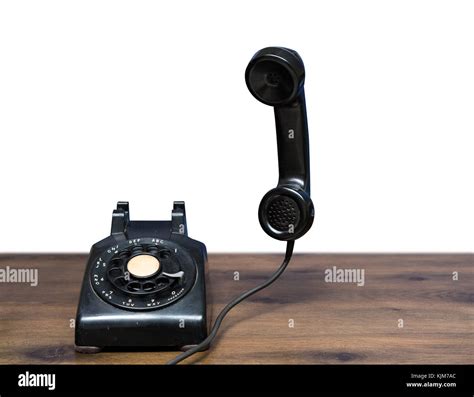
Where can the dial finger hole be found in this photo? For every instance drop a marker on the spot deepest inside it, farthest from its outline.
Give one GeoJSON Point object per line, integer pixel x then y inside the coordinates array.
{"type": "Point", "coordinates": [137, 249]}
{"type": "Point", "coordinates": [165, 254]}
{"type": "Point", "coordinates": [149, 286]}
{"type": "Point", "coordinates": [125, 254]}
{"type": "Point", "coordinates": [162, 282]}
{"type": "Point", "coordinates": [152, 249]}
{"type": "Point", "coordinates": [121, 282]}
{"type": "Point", "coordinates": [115, 272]}
{"type": "Point", "coordinates": [116, 262]}
{"type": "Point", "coordinates": [134, 287]}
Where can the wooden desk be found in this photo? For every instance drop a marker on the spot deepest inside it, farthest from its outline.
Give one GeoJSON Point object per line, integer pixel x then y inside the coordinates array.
{"type": "Point", "coordinates": [334, 323]}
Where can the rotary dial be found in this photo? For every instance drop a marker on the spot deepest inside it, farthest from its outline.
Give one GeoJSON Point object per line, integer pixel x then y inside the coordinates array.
{"type": "Point", "coordinates": [143, 274]}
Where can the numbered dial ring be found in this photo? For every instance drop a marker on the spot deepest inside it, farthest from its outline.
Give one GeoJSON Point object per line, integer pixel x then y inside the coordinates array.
{"type": "Point", "coordinates": [143, 274]}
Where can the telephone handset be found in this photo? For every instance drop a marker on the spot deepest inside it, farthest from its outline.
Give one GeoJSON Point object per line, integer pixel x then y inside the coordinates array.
{"type": "Point", "coordinates": [144, 285]}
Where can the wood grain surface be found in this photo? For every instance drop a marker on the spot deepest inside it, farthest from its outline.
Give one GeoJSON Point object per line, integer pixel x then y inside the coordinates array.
{"type": "Point", "coordinates": [334, 323]}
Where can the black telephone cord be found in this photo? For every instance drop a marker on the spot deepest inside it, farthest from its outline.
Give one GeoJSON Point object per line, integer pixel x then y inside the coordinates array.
{"type": "Point", "coordinates": [206, 342]}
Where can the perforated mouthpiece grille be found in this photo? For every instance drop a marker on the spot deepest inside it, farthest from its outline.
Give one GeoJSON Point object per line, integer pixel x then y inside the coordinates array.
{"type": "Point", "coordinates": [283, 213]}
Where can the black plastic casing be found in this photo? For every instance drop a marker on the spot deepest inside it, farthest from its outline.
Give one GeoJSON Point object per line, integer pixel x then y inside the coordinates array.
{"type": "Point", "coordinates": [100, 324]}
{"type": "Point", "coordinates": [291, 199]}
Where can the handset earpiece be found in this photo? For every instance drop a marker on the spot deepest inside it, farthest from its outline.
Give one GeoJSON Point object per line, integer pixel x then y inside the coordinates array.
{"type": "Point", "coordinates": [275, 76]}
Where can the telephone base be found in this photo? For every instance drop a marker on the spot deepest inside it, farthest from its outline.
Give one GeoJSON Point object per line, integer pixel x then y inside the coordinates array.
{"type": "Point", "coordinates": [120, 307]}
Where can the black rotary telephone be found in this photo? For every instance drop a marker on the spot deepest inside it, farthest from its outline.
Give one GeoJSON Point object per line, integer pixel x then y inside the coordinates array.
{"type": "Point", "coordinates": [144, 285]}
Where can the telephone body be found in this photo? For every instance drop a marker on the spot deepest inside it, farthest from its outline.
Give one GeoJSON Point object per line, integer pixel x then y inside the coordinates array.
{"type": "Point", "coordinates": [144, 286]}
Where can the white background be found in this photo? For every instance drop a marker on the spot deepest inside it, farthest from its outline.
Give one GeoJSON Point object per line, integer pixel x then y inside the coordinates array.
{"type": "Point", "coordinates": [145, 101]}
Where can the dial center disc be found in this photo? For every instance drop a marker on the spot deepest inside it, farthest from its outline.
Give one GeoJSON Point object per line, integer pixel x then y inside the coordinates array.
{"type": "Point", "coordinates": [143, 266]}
